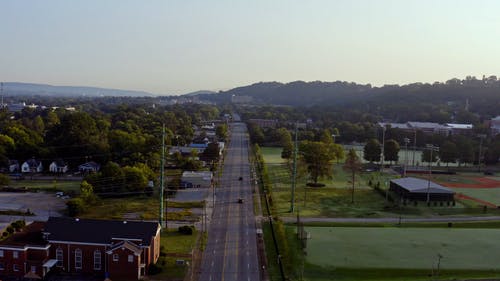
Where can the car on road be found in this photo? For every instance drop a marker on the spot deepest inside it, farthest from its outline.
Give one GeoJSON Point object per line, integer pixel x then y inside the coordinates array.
{"type": "Point", "coordinates": [240, 178]}
{"type": "Point", "coordinates": [241, 200]}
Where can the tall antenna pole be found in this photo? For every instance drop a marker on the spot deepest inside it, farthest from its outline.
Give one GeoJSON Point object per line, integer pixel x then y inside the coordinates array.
{"type": "Point", "coordinates": [162, 175]}
{"type": "Point", "coordinates": [294, 178]}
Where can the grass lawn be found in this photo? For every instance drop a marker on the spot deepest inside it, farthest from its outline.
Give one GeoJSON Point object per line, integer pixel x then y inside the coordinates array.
{"type": "Point", "coordinates": [366, 253]}
{"type": "Point", "coordinates": [48, 185]}
{"type": "Point", "coordinates": [491, 195]}
{"type": "Point", "coordinates": [173, 242]}
{"type": "Point", "coordinates": [142, 207]}
{"type": "Point", "coordinates": [272, 155]}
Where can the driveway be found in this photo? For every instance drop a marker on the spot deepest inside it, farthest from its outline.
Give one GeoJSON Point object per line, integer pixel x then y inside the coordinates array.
{"type": "Point", "coordinates": [41, 203]}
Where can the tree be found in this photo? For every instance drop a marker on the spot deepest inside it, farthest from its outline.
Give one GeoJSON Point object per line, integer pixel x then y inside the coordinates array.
{"type": "Point", "coordinates": [372, 150]}
{"type": "Point", "coordinates": [87, 192]}
{"type": "Point", "coordinates": [221, 131]}
{"type": "Point", "coordinates": [318, 157]}
{"type": "Point", "coordinates": [211, 153]}
{"type": "Point", "coordinates": [286, 143]}
{"type": "Point", "coordinates": [352, 165]}
{"type": "Point", "coordinates": [448, 152]}
{"type": "Point", "coordinates": [426, 155]}
{"type": "Point", "coordinates": [135, 179]}
{"type": "Point", "coordinates": [391, 150]}
{"type": "Point", "coordinates": [76, 206]}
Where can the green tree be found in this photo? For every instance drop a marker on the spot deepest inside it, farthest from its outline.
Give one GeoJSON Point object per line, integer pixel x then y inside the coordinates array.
{"type": "Point", "coordinates": [87, 192]}
{"type": "Point", "coordinates": [372, 150]}
{"type": "Point", "coordinates": [448, 152]}
{"type": "Point", "coordinates": [317, 156]}
{"type": "Point", "coordinates": [286, 143]}
{"type": "Point", "coordinates": [391, 150]}
{"type": "Point", "coordinates": [221, 131]}
{"type": "Point", "coordinates": [135, 179]}
{"type": "Point", "coordinates": [426, 155]}
{"type": "Point", "coordinates": [75, 207]}
{"type": "Point", "coordinates": [352, 165]}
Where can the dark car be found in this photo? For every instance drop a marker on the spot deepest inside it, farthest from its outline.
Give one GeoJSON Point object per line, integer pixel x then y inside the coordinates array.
{"type": "Point", "coordinates": [240, 178]}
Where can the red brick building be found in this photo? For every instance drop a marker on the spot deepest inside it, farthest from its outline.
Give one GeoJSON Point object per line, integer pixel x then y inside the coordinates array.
{"type": "Point", "coordinates": [25, 253]}
{"type": "Point", "coordinates": [120, 250]}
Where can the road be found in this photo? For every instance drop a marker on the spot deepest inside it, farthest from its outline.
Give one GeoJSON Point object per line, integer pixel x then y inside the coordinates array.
{"type": "Point", "coordinates": [231, 252]}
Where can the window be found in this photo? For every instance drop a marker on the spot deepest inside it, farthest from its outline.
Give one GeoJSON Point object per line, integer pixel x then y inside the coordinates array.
{"type": "Point", "coordinates": [97, 260]}
{"type": "Point", "coordinates": [115, 257]}
{"type": "Point", "coordinates": [2, 267]}
{"type": "Point", "coordinates": [1, 253]}
{"type": "Point", "coordinates": [15, 267]}
{"type": "Point", "coordinates": [59, 257]}
{"type": "Point", "coordinates": [15, 254]}
{"type": "Point", "coordinates": [33, 268]}
{"type": "Point", "coordinates": [130, 258]}
{"type": "Point", "coordinates": [78, 259]}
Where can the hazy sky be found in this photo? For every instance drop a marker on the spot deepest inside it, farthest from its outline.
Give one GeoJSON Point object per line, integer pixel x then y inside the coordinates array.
{"type": "Point", "coordinates": [174, 47]}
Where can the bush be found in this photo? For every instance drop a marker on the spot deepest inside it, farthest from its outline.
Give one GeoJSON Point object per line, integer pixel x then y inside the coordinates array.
{"type": "Point", "coordinates": [10, 229]}
{"type": "Point", "coordinates": [76, 206]}
{"type": "Point", "coordinates": [154, 269]}
{"type": "Point", "coordinates": [186, 230]}
{"type": "Point", "coordinates": [18, 225]}
{"type": "Point", "coordinates": [4, 179]}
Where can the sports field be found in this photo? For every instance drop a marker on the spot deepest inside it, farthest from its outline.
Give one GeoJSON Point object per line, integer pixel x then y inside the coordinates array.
{"type": "Point", "coordinates": [404, 248]}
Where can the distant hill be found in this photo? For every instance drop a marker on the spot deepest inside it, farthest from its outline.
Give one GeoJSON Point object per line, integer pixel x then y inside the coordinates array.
{"type": "Point", "coordinates": [482, 94]}
{"type": "Point", "coordinates": [29, 89]}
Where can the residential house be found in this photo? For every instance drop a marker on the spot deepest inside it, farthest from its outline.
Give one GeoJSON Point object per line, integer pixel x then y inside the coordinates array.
{"type": "Point", "coordinates": [120, 250]}
{"type": "Point", "coordinates": [194, 179]}
{"type": "Point", "coordinates": [32, 166]}
{"type": "Point", "coordinates": [58, 166]}
{"type": "Point", "coordinates": [89, 167]}
{"type": "Point", "coordinates": [13, 166]}
{"type": "Point", "coordinates": [25, 254]}
{"type": "Point", "coordinates": [495, 125]}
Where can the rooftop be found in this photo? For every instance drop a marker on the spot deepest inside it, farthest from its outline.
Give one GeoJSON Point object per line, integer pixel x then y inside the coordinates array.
{"type": "Point", "coordinates": [416, 185]}
{"type": "Point", "coordinates": [99, 231]}
{"type": "Point", "coordinates": [31, 234]}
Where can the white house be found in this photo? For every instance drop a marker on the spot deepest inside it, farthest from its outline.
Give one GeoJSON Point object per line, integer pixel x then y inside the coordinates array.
{"type": "Point", "coordinates": [89, 167]}
{"type": "Point", "coordinates": [13, 166]}
{"type": "Point", "coordinates": [58, 166]}
{"type": "Point", "coordinates": [32, 166]}
{"type": "Point", "coordinates": [193, 179]}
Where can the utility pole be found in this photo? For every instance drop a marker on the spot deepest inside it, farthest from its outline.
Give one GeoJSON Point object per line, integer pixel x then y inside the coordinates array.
{"type": "Point", "coordinates": [432, 148]}
{"type": "Point", "coordinates": [294, 177]}
{"type": "Point", "coordinates": [406, 140]}
{"type": "Point", "coordinates": [414, 146]}
{"type": "Point", "coordinates": [162, 177]}
{"type": "Point", "coordinates": [383, 146]}
{"type": "Point", "coordinates": [481, 137]}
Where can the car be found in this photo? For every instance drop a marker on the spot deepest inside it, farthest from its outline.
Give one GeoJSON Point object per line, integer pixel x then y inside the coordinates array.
{"type": "Point", "coordinates": [240, 178]}
{"type": "Point", "coordinates": [241, 200]}
{"type": "Point", "coordinates": [59, 194]}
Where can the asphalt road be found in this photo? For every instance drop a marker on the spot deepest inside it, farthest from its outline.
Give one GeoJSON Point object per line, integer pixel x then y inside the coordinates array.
{"type": "Point", "coordinates": [231, 252]}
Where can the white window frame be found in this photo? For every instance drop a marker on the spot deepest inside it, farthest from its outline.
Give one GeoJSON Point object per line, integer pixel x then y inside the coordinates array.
{"type": "Point", "coordinates": [15, 254]}
{"type": "Point", "coordinates": [1, 253]}
{"type": "Point", "coordinates": [2, 266]}
{"type": "Point", "coordinates": [130, 258]}
{"type": "Point", "coordinates": [33, 268]}
{"type": "Point", "coordinates": [78, 259]}
{"type": "Point", "coordinates": [60, 257]}
{"type": "Point", "coordinates": [15, 267]}
{"type": "Point", "coordinates": [115, 257]}
{"type": "Point", "coordinates": [97, 260]}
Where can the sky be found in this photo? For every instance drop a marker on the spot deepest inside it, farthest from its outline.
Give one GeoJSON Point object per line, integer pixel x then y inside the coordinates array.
{"type": "Point", "coordinates": [180, 46]}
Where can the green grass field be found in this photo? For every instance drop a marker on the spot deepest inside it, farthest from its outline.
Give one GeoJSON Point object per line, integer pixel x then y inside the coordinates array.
{"type": "Point", "coordinates": [48, 185]}
{"type": "Point", "coordinates": [413, 251]}
{"type": "Point", "coordinates": [491, 195]}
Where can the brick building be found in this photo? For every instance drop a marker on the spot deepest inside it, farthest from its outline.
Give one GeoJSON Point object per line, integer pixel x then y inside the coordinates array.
{"type": "Point", "coordinates": [120, 250]}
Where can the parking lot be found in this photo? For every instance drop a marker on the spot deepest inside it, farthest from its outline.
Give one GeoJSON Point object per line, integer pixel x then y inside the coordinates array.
{"type": "Point", "coordinates": [41, 204]}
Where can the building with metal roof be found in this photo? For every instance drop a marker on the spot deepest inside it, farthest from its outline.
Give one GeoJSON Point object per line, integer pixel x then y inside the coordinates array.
{"type": "Point", "coordinates": [415, 189]}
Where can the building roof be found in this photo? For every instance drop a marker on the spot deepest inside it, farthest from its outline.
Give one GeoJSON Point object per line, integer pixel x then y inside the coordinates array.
{"type": "Point", "coordinates": [31, 234]}
{"type": "Point", "coordinates": [394, 125]}
{"type": "Point", "coordinates": [99, 231]}
{"type": "Point", "coordinates": [33, 162]}
{"type": "Point", "coordinates": [426, 125]}
{"type": "Point", "coordinates": [125, 244]}
{"type": "Point", "coordinates": [459, 126]}
{"type": "Point", "coordinates": [415, 185]}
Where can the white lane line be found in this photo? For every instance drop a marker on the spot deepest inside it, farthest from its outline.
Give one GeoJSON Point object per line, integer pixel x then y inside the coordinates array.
{"type": "Point", "coordinates": [248, 265]}
{"type": "Point", "coordinates": [212, 263]}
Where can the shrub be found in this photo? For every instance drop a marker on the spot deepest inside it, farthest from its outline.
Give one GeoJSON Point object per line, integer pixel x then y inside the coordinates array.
{"type": "Point", "coordinates": [10, 229]}
{"type": "Point", "coordinates": [154, 269]}
{"type": "Point", "coordinates": [76, 206]}
{"type": "Point", "coordinates": [186, 230]}
{"type": "Point", "coordinates": [4, 179]}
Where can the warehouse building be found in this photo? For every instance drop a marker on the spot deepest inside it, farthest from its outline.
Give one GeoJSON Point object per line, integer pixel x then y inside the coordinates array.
{"type": "Point", "coordinates": [414, 189]}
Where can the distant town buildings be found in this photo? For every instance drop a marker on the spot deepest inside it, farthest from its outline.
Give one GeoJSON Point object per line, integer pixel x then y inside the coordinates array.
{"type": "Point", "coordinates": [431, 128]}
{"type": "Point", "coordinates": [193, 179]}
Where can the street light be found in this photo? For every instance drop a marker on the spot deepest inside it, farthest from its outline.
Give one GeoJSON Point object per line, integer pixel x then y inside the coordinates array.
{"type": "Point", "coordinates": [432, 148]}
{"type": "Point", "coordinates": [406, 141]}
{"type": "Point", "coordinates": [481, 137]}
